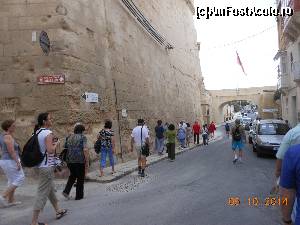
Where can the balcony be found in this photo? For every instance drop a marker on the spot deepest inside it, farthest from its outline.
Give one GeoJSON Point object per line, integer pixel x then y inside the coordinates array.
{"type": "Point", "coordinates": [291, 24]}
{"type": "Point", "coordinates": [296, 71]}
{"type": "Point", "coordinates": [283, 82]}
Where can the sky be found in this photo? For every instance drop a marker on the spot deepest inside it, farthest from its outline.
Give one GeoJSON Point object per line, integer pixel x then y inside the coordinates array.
{"type": "Point", "coordinates": [219, 64]}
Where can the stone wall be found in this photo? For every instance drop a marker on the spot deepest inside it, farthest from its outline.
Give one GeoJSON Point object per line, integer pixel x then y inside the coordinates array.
{"type": "Point", "coordinates": [99, 47]}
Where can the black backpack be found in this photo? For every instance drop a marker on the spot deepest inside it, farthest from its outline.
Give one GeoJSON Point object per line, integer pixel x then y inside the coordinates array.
{"type": "Point", "coordinates": [237, 136]}
{"type": "Point", "coordinates": [31, 155]}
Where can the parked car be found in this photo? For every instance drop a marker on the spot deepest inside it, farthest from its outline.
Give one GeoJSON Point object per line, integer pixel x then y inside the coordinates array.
{"type": "Point", "coordinates": [267, 136]}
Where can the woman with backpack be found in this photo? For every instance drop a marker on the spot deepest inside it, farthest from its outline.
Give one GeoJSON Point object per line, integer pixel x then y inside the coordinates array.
{"type": "Point", "coordinates": [77, 158]}
{"type": "Point", "coordinates": [10, 163]}
{"type": "Point", "coordinates": [46, 187]}
{"type": "Point", "coordinates": [106, 136]}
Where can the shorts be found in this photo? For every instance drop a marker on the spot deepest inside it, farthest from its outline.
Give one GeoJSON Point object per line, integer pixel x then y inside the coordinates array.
{"type": "Point", "coordinates": [237, 145]}
{"type": "Point", "coordinates": [138, 150]}
{"type": "Point", "coordinates": [14, 177]}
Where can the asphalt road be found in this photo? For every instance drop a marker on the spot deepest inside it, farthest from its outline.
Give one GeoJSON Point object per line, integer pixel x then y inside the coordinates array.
{"type": "Point", "coordinates": [193, 190]}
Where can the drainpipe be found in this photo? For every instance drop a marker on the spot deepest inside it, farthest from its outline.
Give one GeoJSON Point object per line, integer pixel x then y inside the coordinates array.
{"type": "Point", "coordinates": [118, 118]}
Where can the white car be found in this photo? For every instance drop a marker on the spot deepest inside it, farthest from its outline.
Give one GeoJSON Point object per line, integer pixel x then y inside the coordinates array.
{"type": "Point", "coordinates": [268, 135]}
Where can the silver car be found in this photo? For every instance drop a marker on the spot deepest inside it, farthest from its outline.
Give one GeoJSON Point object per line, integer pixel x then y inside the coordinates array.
{"type": "Point", "coordinates": [268, 135]}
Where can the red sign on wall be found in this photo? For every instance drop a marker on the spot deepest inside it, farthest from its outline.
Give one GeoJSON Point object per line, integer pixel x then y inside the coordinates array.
{"type": "Point", "coordinates": [51, 79]}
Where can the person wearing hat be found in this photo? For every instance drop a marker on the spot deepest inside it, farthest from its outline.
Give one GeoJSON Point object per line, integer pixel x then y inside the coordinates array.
{"type": "Point", "coordinates": [238, 134]}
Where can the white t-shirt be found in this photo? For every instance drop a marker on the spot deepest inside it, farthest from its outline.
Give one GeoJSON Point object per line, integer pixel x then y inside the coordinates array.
{"type": "Point", "coordinates": [42, 141]}
{"type": "Point", "coordinates": [136, 134]}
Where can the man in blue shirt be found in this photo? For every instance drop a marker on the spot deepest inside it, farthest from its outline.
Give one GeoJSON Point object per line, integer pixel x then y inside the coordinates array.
{"type": "Point", "coordinates": [290, 184]}
{"type": "Point", "coordinates": [159, 137]}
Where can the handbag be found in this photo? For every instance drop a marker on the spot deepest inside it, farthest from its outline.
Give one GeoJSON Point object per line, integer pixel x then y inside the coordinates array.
{"type": "Point", "coordinates": [64, 152]}
{"type": "Point", "coordinates": [145, 147]}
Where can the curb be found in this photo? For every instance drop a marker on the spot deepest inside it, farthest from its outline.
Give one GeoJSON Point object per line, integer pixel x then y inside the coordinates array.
{"type": "Point", "coordinates": [117, 177]}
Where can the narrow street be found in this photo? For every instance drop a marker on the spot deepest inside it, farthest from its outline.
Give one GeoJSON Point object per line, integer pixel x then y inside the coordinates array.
{"type": "Point", "coordinates": [193, 190]}
{"type": "Point", "coordinates": [85, 85]}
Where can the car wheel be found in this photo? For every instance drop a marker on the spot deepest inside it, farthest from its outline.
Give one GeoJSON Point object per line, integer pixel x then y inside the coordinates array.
{"type": "Point", "coordinates": [258, 153]}
{"type": "Point", "coordinates": [250, 140]}
{"type": "Point", "coordinates": [253, 147]}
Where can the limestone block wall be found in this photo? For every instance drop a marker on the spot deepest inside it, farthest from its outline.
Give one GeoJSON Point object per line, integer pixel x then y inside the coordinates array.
{"type": "Point", "coordinates": [22, 61]}
{"type": "Point", "coordinates": [100, 48]}
{"type": "Point", "coordinates": [163, 85]}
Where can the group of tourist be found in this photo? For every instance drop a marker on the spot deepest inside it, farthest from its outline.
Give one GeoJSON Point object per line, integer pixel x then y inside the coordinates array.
{"type": "Point", "coordinates": [186, 132]}
{"type": "Point", "coordinates": [10, 163]}
{"type": "Point", "coordinates": [166, 135]}
{"type": "Point", "coordinates": [77, 156]}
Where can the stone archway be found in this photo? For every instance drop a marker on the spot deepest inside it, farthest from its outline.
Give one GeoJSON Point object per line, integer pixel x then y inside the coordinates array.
{"type": "Point", "coordinates": [229, 114]}
{"type": "Point", "coordinates": [222, 97]}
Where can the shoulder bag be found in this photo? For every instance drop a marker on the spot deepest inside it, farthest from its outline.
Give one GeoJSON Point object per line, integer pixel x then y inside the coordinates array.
{"type": "Point", "coordinates": [145, 147]}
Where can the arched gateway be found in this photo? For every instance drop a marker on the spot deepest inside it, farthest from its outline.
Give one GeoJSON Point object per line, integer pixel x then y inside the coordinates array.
{"type": "Point", "coordinates": [260, 96]}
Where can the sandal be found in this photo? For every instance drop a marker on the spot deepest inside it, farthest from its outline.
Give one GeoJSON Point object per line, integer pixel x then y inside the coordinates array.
{"type": "Point", "coordinates": [60, 214]}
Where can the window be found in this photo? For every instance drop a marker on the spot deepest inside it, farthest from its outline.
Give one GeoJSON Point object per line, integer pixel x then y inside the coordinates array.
{"type": "Point", "coordinates": [283, 65]}
{"type": "Point", "coordinates": [273, 129]}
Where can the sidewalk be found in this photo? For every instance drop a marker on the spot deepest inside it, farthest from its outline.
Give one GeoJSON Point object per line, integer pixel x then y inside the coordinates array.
{"type": "Point", "coordinates": [122, 169]}
{"type": "Point", "coordinates": [126, 168]}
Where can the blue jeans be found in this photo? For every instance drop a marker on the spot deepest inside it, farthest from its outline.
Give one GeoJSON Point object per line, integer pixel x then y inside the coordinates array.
{"type": "Point", "coordinates": [104, 152]}
{"type": "Point", "coordinates": [294, 212]}
{"type": "Point", "coordinates": [182, 142]}
{"type": "Point", "coordinates": [159, 144]}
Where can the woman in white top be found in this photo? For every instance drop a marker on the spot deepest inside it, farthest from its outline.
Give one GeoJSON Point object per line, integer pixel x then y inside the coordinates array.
{"type": "Point", "coordinates": [46, 188]}
{"type": "Point", "coordinates": [10, 163]}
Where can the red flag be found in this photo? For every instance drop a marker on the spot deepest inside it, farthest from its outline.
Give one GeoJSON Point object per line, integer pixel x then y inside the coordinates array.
{"type": "Point", "coordinates": [239, 62]}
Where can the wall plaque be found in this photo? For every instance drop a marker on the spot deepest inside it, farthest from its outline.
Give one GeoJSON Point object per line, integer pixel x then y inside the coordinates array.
{"type": "Point", "coordinates": [90, 97]}
{"type": "Point", "coordinates": [51, 79]}
{"type": "Point", "coordinates": [124, 113]}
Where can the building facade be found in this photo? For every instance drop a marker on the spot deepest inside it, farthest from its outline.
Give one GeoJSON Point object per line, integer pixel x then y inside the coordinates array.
{"type": "Point", "coordinates": [289, 61]}
{"type": "Point", "coordinates": [87, 61]}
